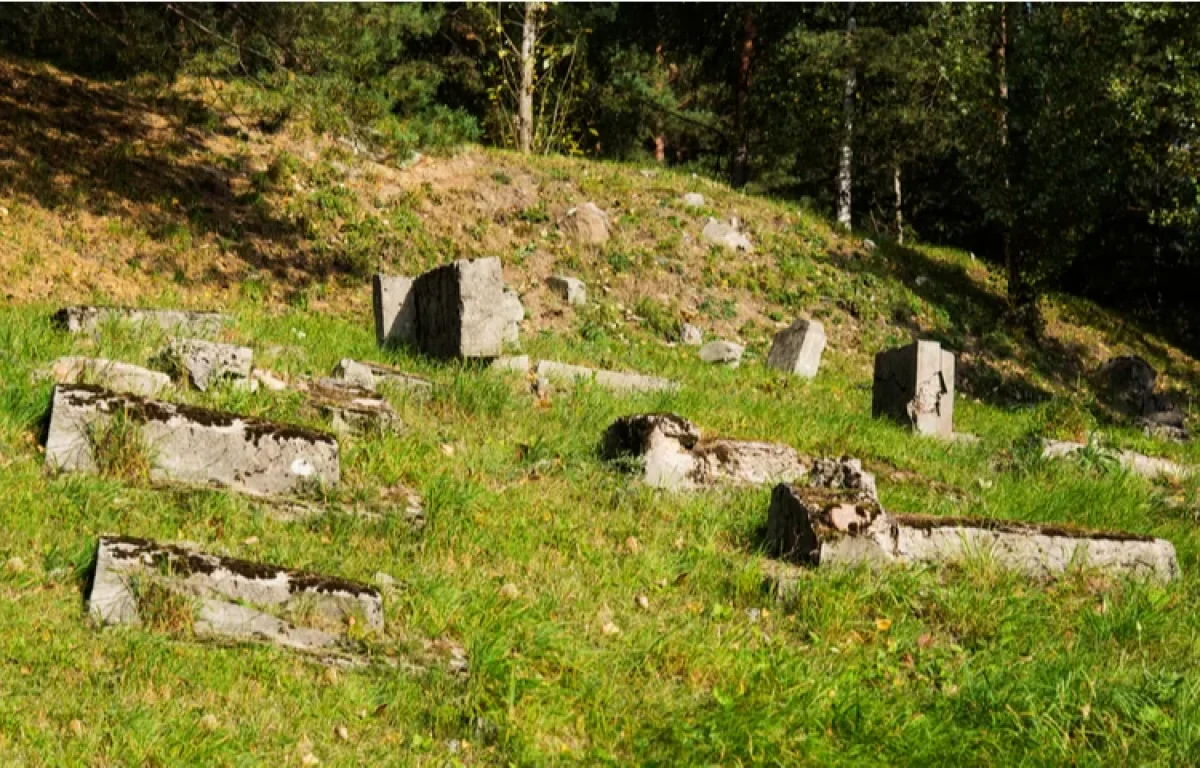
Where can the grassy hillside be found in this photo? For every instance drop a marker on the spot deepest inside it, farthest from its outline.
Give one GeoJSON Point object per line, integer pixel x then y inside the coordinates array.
{"type": "Point", "coordinates": [128, 195]}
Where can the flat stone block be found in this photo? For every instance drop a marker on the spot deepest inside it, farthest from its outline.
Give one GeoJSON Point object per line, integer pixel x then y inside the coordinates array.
{"type": "Point", "coordinates": [229, 598]}
{"type": "Point", "coordinates": [725, 352]}
{"type": "Point", "coordinates": [820, 527]}
{"type": "Point", "coordinates": [82, 318]}
{"type": "Point", "coordinates": [192, 445]}
{"type": "Point", "coordinates": [110, 374]}
{"type": "Point", "coordinates": [914, 385]}
{"type": "Point", "coordinates": [395, 309]}
{"type": "Point", "coordinates": [569, 289]}
{"type": "Point", "coordinates": [461, 310]}
{"type": "Point", "coordinates": [611, 380]}
{"type": "Point", "coordinates": [205, 362]}
{"type": "Point", "coordinates": [797, 349]}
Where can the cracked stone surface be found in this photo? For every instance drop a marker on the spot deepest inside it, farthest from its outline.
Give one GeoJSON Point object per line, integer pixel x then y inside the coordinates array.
{"type": "Point", "coordinates": [193, 445]}
{"type": "Point", "coordinates": [797, 349]}
{"type": "Point", "coordinates": [229, 598]}
{"type": "Point", "coordinates": [83, 318]}
{"type": "Point", "coordinates": [821, 527]}
{"type": "Point", "coordinates": [110, 374]}
{"type": "Point", "coordinates": [205, 362]}
{"type": "Point", "coordinates": [672, 454]}
{"type": "Point", "coordinates": [914, 385]}
{"type": "Point", "coordinates": [612, 380]}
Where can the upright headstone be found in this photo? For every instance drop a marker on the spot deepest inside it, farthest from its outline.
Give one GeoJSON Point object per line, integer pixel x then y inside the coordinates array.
{"type": "Point", "coordinates": [915, 386]}
{"type": "Point", "coordinates": [461, 309]}
{"type": "Point", "coordinates": [395, 310]}
{"type": "Point", "coordinates": [797, 349]}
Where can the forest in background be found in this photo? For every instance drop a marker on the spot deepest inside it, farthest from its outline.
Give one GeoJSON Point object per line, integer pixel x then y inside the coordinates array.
{"type": "Point", "coordinates": [1056, 140]}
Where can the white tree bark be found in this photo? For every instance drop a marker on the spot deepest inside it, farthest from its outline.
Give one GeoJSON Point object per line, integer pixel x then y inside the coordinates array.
{"type": "Point", "coordinates": [846, 155]}
{"type": "Point", "coordinates": [899, 209]}
{"type": "Point", "coordinates": [529, 35]}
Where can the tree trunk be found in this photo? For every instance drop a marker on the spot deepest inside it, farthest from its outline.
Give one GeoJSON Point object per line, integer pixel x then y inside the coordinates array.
{"type": "Point", "coordinates": [846, 154]}
{"type": "Point", "coordinates": [529, 35]}
{"type": "Point", "coordinates": [739, 171]}
{"type": "Point", "coordinates": [899, 217]}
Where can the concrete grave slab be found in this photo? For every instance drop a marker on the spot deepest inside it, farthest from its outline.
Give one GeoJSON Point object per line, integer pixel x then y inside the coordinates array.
{"type": "Point", "coordinates": [110, 374]}
{"type": "Point", "coordinates": [611, 380]}
{"type": "Point", "coordinates": [914, 385]}
{"type": "Point", "coordinates": [192, 445]}
{"type": "Point", "coordinates": [83, 318]}
{"type": "Point", "coordinates": [797, 349]}
{"type": "Point", "coordinates": [822, 527]}
{"type": "Point", "coordinates": [228, 598]}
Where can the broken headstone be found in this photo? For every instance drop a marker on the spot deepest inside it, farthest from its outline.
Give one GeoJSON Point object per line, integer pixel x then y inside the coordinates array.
{"type": "Point", "coordinates": [79, 319]}
{"type": "Point", "coordinates": [186, 444]}
{"type": "Point", "coordinates": [351, 408]}
{"type": "Point", "coordinates": [820, 527]}
{"type": "Point", "coordinates": [797, 349]}
{"type": "Point", "coordinates": [914, 385]}
{"type": "Point", "coordinates": [611, 380]}
{"type": "Point", "coordinates": [395, 309]}
{"type": "Point", "coordinates": [205, 362]}
{"type": "Point", "coordinates": [570, 289]}
{"type": "Point", "coordinates": [722, 352]}
{"type": "Point", "coordinates": [110, 374]}
{"type": "Point", "coordinates": [143, 583]}
{"type": "Point", "coordinates": [461, 310]}
{"type": "Point", "coordinates": [376, 376]}
{"type": "Point", "coordinates": [672, 455]}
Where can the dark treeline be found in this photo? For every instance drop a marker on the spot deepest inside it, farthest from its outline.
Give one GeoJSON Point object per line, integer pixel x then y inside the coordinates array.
{"type": "Point", "coordinates": [1056, 140]}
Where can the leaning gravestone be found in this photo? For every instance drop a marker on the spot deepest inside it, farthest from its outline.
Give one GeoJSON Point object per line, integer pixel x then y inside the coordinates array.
{"type": "Point", "coordinates": [191, 445]}
{"type": "Point", "coordinates": [914, 385]}
{"type": "Point", "coordinates": [820, 527]}
{"type": "Point", "coordinates": [78, 319]}
{"type": "Point", "coordinates": [797, 349]}
{"type": "Point", "coordinates": [227, 598]}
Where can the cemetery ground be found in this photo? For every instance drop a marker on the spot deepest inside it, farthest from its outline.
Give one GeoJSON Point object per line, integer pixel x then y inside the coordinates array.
{"type": "Point", "coordinates": [603, 621]}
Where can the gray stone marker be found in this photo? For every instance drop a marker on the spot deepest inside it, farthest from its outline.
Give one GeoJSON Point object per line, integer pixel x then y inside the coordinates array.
{"type": "Point", "coordinates": [376, 376]}
{"type": "Point", "coordinates": [192, 445]}
{"type": "Point", "coordinates": [1139, 464]}
{"type": "Point", "coordinates": [727, 235]}
{"type": "Point", "coordinates": [395, 309]}
{"type": "Point", "coordinates": [818, 526]}
{"type": "Point", "coordinates": [205, 362]}
{"type": "Point", "coordinates": [110, 374]}
{"type": "Point", "coordinates": [227, 598]}
{"type": "Point", "coordinates": [570, 289]}
{"type": "Point", "coordinates": [673, 455]}
{"type": "Point", "coordinates": [914, 385]}
{"type": "Point", "coordinates": [459, 310]}
{"type": "Point", "coordinates": [80, 318]}
{"type": "Point", "coordinates": [610, 380]}
{"type": "Point", "coordinates": [351, 408]}
{"type": "Point", "coordinates": [797, 349]}
{"type": "Point", "coordinates": [722, 352]}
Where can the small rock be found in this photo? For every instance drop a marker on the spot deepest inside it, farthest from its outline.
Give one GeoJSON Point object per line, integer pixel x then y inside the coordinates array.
{"type": "Point", "coordinates": [868, 245]}
{"type": "Point", "coordinates": [572, 290]}
{"type": "Point", "coordinates": [722, 352]}
{"type": "Point", "coordinates": [727, 235]}
{"type": "Point", "coordinates": [693, 200]}
{"type": "Point", "coordinates": [509, 591]}
{"type": "Point", "coordinates": [308, 758]}
{"type": "Point", "coordinates": [210, 723]}
{"type": "Point", "coordinates": [641, 601]}
{"type": "Point", "coordinates": [586, 224]}
{"type": "Point", "coordinates": [691, 335]}
{"type": "Point", "coordinates": [268, 379]}
{"type": "Point", "coordinates": [447, 449]}
{"type": "Point", "coordinates": [342, 733]}
{"type": "Point", "coordinates": [610, 629]}
{"type": "Point", "coordinates": [250, 541]}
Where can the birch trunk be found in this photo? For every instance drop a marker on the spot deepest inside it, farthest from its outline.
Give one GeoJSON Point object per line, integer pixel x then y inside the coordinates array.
{"type": "Point", "coordinates": [846, 154]}
{"type": "Point", "coordinates": [529, 35]}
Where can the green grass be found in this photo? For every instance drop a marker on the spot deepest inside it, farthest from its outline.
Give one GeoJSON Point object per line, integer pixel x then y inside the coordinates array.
{"type": "Point", "coordinates": [960, 665]}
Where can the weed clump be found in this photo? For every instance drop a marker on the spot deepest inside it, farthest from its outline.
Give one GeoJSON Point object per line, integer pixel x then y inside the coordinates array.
{"type": "Point", "coordinates": [119, 449]}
